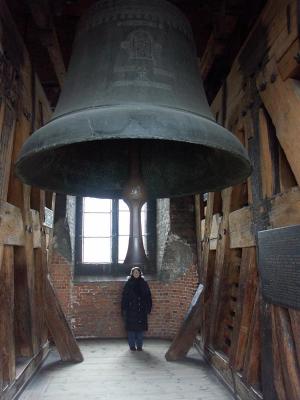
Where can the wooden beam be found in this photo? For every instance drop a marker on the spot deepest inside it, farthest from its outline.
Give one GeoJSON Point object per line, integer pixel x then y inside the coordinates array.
{"type": "Point", "coordinates": [59, 327]}
{"type": "Point", "coordinates": [206, 266]}
{"type": "Point", "coordinates": [295, 325]}
{"type": "Point", "coordinates": [40, 261]}
{"type": "Point", "coordinates": [36, 228]}
{"type": "Point", "coordinates": [220, 364]}
{"type": "Point", "coordinates": [55, 318]}
{"type": "Point", "coordinates": [279, 33]}
{"type": "Point", "coordinates": [12, 229]}
{"type": "Point", "coordinates": [240, 228]}
{"type": "Point", "coordinates": [11, 391]}
{"type": "Point", "coordinates": [7, 343]}
{"type": "Point", "coordinates": [288, 65]}
{"type": "Point", "coordinates": [244, 306]}
{"type": "Point", "coordinates": [11, 225]}
{"type": "Point", "coordinates": [285, 208]}
{"type": "Point", "coordinates": [213, 237]}
{"type": "Point", "coordinates": [287, 354]}
{"type": "Point", "coordinates": [278, 367]}
{"type": "Point", "coordinates": [30, 265]}
{"type": "Point", "coordinates": [224, 25]}
{"type": "Point", "coordinates": [188, 331]}
{"type": "Point", "coordinates": [7, 130]}
{"type": "Point", "coordinates": [198, 219]}
{"type": "Point", "coordinates": [42, 17]}
{"type": "Point", "coordinates": [214, 48]}
{"type": "Point", "coordinates": [266, 162]}
{"type": "Point", "coordinates": [282, 101]}
{"type": "Point", "coordinates": [22, 305]}
{"type": "Point", "coordinates": [206, 236]}
{"type": "Point", "coordinates": [252, 361]}
{"type": "Point", "coordinates": [220, 264]}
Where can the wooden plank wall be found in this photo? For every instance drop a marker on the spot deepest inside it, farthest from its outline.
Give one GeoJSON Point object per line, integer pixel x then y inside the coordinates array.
{"type": "Point", "coordinates": [23, 235]}
{"type": "Point", "coordinates": [254, 346]}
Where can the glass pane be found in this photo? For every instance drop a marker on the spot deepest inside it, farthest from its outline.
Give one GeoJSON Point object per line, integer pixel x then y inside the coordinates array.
{"type": "Point", "coordinates": [97, 250]}
{"type": "Point", "coordinates": [97, 224]}
{"type": "Point", "coordinates": [123, 206]}
{"type": "Point", "coordinates": [144, 222]}
{"type": "Point", "coordinates": [123, 246]}
{"type": "Point", "coordinates": [145, 243]}
{"type": "Point", "coordinates": [91, 204]}
{"type": "Point", "coordinates": [144, 208]}
{"type": "Point", "coordinates": [124, 222]}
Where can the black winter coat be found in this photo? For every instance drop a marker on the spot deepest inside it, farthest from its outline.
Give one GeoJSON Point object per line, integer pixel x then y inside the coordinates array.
{"type": "Point", "coordinates": [136, 304]}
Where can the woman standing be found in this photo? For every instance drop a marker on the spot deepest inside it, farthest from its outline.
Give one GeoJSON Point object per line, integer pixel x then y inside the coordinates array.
{"type": "Point", "coordinates": [136, 305]}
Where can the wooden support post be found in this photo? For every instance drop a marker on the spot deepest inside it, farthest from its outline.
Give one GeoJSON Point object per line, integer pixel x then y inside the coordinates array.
{"type": "Point", "coordinates": [278, 367]}
{"type": "Point", "coordinates": [29, 254]}
{"type": "Point", "coordinates": [7, 139]}
{"type": "Point", "coordinates": [295, 323]}
{"type": "Point", "coordinates": [207, 231]}
{"type": "Point", "coordinates": [205, 268]}
{"type": "Point", "coordinates": [198, 216]}
{"type": "Point", "coordinates": [7, 344]}
{"type": "Point", "coordinates": [40, 260]}
{"type": "Point", "coordinates": [58, 325]}
{"type": "Point", "coordinates": [7, 129]}
{"type": "Point", "coordinates": [23, 329]}
{"type": "Point", "coordinates": [252, 360]}
{"type": "Point", "coordinates": [245, 303]}
{"type": "Point", "coordinates": [220, 264]}
{"type": "Point", "coordinates": [287, 354]}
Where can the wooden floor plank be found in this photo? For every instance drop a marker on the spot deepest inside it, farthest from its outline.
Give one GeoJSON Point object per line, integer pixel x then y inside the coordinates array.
{"type": "Point", "coordinates": [112, 372]}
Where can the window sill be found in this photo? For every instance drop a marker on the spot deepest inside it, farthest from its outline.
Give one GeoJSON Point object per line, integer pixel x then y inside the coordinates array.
{"type": "Point", "coordinates": [78, 279]}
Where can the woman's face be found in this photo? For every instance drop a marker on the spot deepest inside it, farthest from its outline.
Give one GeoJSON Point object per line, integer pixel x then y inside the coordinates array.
{"type": "Point", "coordinates": [136, 273]}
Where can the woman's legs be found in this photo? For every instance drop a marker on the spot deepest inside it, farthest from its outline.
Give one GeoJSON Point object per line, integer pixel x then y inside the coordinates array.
{"type": "Point", "coordinates": [139, 335]}
{"type": "Point", "coordinates": [135, 338]}
{"type": "Point", "coordinates": [131, 339]}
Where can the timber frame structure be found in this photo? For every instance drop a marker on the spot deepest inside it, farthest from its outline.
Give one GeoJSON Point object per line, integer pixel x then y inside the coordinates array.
{"type": "Point", "coordinates": [29, 306]}
{"type": "Point", "coordinates": [253, 346]}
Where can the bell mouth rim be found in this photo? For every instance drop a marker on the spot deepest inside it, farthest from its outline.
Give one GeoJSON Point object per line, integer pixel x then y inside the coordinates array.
{"type": "Point", "coordinates": [52, 138]}
{"type": "Point", "coordinates": [133, 110]}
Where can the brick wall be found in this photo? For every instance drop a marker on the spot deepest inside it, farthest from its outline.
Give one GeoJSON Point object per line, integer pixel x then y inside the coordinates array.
{"type": "Point", "coordinates": [93, 308]}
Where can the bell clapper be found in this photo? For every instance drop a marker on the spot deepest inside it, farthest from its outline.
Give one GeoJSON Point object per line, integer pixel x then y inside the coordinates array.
{"type": "Point", "coordinates": [135, 196]}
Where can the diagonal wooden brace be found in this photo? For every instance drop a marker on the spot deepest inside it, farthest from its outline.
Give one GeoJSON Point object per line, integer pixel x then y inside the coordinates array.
{"type": "Point", "coordinates": [59, 327]}
{"type": "Point", "coordinates": [187, 333]}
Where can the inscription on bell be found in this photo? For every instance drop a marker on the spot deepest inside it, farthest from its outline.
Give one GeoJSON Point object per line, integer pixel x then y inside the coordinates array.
{"type": "Point", "coordinates": [139, 45]}
{"type": "Point", "coordinates": [142, 67]}
{"type": "Point", "coordinates": [279, 265]}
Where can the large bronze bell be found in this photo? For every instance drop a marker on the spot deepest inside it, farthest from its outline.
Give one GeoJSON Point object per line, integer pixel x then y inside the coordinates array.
{"type": "Point", "coordinates": [133, 76]}
{"type": "Point", "coordinates": [133, 81]}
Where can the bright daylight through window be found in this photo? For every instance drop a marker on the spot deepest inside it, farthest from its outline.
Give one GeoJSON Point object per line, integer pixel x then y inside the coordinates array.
{"type": "Point", "coordinates": [99, 233]}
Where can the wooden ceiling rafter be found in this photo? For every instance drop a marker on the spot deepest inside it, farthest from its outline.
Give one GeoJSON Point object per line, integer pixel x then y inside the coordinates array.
{"type": "Point", "coordinates": [43, 19]}
{"type": "Point", "coordinates": [232, 22]}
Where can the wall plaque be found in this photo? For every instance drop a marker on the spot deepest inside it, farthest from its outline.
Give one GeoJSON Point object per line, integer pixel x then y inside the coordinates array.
{"type": "Point", "coordinates": [279, 265]}
{"type": "Point", "coordinates": [49, 217]}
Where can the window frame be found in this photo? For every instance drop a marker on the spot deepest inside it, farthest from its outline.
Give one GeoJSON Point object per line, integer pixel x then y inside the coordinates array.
{"type": "Point", "coordinates": [114, 269]}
